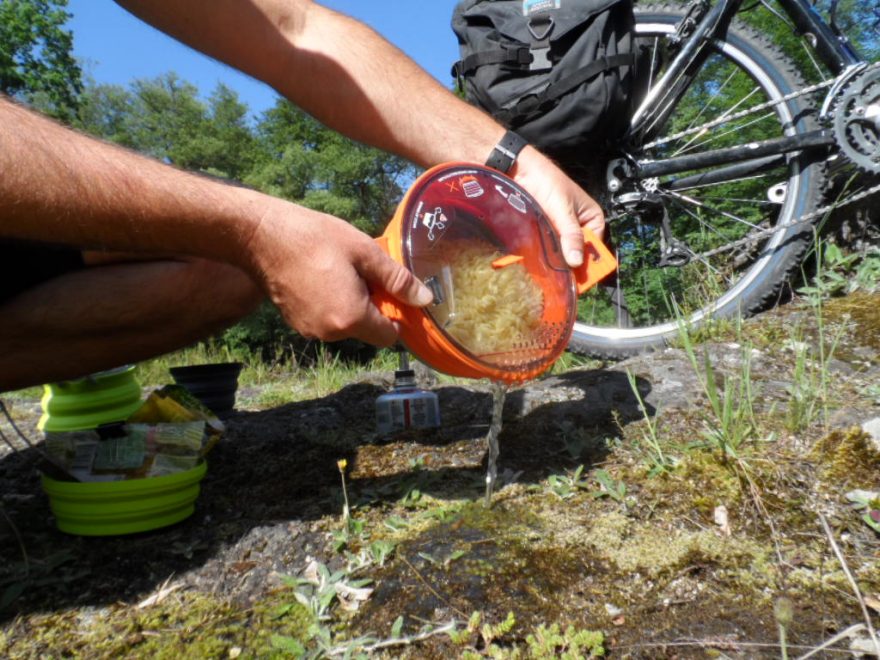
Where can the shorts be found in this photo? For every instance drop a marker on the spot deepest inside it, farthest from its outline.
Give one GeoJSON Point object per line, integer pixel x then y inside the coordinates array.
{"type": "Point", "coordinates": [24, 265]}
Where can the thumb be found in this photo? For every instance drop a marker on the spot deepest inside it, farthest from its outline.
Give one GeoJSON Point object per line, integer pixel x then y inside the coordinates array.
{"type": "Point", "coordinates": [382, 271]}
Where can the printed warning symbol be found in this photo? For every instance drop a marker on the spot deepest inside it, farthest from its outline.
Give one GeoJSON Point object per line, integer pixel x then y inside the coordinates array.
{"type": "Point", "coordinates": [471, 186]}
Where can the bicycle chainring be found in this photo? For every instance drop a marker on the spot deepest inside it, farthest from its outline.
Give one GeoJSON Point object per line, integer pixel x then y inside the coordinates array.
{"type": "Point", "coordinates": [857, 121]}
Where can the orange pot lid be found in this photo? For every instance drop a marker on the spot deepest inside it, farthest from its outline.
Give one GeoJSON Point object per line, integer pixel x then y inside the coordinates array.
{"type": "Point", "coordinates": [504, 298]}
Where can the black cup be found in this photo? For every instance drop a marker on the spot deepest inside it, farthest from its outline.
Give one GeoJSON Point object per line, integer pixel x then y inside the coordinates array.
{"type": "Point", "coordinates": [212, 384]}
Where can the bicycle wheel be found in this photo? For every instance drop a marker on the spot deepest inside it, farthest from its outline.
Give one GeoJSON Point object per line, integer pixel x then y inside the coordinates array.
{"type": "Point", "coordinates": [733, 246]}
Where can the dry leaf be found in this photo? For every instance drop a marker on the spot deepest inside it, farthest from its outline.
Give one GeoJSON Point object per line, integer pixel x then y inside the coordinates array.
{"type": "Point", "coordinates": [311, 573]}
{"type": "Point", "coordinates": [350, 598]}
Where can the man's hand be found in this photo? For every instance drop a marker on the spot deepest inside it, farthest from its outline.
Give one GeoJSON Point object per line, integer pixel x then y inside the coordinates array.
{"type": "Point", "coordinates": [319, 271]}
{"type": "Point", "coordinates": [566, 204]}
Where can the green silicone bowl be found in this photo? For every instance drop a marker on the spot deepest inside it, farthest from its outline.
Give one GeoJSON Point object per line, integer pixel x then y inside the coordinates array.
{"type": "Point", "coordinates": [88, 402]}
{"type": "Point", "coordinates": [110, 508]}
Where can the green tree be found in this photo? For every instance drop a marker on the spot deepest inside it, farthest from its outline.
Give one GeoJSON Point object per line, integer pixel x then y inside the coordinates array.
{"type": "Point", "coordinates": [168, 121]}
{"type": "Point", "coordinates": [165, 118]}
{"type": "Point", "coordinates": [106, 111]}
{"type": "Point", "coordinates": [36, 60]}
{"type": "Point", "coordinates": [228, 145]}
{"type": "Point", "coordinates": [303, 161]}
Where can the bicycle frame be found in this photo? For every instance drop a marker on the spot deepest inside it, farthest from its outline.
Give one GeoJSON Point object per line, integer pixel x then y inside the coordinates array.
{"type": "Point", "coordinates": [832, 48]}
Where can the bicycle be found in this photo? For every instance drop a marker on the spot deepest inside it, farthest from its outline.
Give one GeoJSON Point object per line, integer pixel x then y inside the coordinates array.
{"type": "Point", "coordinates": [718, 183]}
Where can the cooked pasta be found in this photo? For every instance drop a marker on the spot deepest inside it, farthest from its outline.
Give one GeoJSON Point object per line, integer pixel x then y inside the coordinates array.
{"type": "Point", "coordinates": [495, 310]}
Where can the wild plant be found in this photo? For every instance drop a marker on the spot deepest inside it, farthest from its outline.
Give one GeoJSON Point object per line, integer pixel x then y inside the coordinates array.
{"type": "Point", "coordinates": [564, 486]}
{"type": "Point", "coordinates": [732, 420]}
{"type": "Point", "coordinates": [658, 460]}
{"type": "Point", "coordinates": [810, 382]}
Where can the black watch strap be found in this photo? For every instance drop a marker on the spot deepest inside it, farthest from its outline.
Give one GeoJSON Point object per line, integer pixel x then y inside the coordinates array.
{"type": "Point", "coordinates": [504, 154]}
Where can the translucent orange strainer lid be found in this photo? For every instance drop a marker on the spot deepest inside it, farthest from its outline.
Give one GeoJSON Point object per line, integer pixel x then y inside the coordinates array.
{"type": "Point", "coordinates": [504, 298]}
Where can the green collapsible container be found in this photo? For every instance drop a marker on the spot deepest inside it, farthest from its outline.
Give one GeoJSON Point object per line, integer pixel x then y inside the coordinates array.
{"type": "Point", "coordinates": [107, 508]}
{"type": "Point", "coordinates": [86, 403]}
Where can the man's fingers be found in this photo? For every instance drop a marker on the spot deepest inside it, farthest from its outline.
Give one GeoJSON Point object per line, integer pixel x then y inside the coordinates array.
{"type": "Point", "coordinates": [382, 271]}
{"type": "Point", "coordinates": [573, 247]}
{"type": "Point", "coordinates": [572, 237]}
{"type": "Point", "coordinates": [377, 330]}
{"type": "Point", "coordinates": [594, 220]}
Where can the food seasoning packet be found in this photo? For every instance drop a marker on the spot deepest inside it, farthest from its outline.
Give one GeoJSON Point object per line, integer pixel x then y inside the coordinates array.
{"type": "Point", "coordinates": [120, 454]}
{"type": "Point", "coordinates": [165, 464]}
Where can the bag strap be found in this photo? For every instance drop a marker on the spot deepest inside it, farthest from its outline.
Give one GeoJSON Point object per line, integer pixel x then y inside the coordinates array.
{"type": "Point", "coordinates": [518, 56]}
{"type": "Point", "coordinates": [533, 105]}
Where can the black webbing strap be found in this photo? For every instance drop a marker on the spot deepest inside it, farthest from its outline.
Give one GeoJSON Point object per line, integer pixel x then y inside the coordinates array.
{"type": "Point", "coordinates": [518, 57]}
{"type": "Point", "coordinates": [535, 104]}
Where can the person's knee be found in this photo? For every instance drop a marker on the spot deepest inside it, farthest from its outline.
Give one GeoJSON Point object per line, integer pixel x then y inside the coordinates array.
{"type": "Point", "coordinates": [222, 293]}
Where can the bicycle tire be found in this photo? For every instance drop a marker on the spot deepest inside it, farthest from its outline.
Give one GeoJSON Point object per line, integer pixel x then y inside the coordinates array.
{"type": "Point", "coordinates": [746, 288]}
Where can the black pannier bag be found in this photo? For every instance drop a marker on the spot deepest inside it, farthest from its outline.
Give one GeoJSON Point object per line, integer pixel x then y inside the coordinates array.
{"type": "Point", "coordinates": [558, 72]}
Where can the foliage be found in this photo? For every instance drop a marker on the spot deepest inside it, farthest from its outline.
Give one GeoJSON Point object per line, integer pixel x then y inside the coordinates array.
{"type": "Point", "coordinates": [304, 161]}
{"type": "Point", "coordinates": [803, 391]}
{"type": "Point", "coordinates": [610, 487]}
{"type": "Point", "coordinates": [544, 643]}
{"type": "Point", "coordinates": [551, 642]}
{"type": "Point", "coordinates": [263, 332]}
{"type": "Point", "coordinates": [859, 21]}
{"type": "Point", "coordinates": [870, 502]}
{"type": "Point", "coordinates": [565, 486]}
{"type": "Point", "coordinates": [731, 422]}
{"type": "Point", "coordinates": [486, 633]}
{"type": "Point", "coordinates": [36, 58]}
{"type": "Point", "coordinates": [840, 273]}
{"type": "Point", "coordinates": [164, 117]}
{"type": "Point", "coordinates": [659, 461]}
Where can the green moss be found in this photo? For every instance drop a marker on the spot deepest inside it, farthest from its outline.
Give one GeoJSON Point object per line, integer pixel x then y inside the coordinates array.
{"type": "Point", "coordinates": [654, 550]}
{"type": "Point", "coordinates": [185, 625]}
{"type": "Point", "coordinates": [846, 458]}
{"type": "Point", "coordinates": [699, 481]}
{"type": "Point", "coordinates": [862, 311]}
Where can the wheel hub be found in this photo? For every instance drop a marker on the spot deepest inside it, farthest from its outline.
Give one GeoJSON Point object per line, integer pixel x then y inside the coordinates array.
{"type": "Point", "coordinates": [857, 122]}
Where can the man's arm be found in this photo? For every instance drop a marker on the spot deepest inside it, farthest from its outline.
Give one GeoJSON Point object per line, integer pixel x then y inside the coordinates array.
{"type": "Point", "coordinates": [59, 186]}
{"type": "Point", "coordinates": [354, 81]}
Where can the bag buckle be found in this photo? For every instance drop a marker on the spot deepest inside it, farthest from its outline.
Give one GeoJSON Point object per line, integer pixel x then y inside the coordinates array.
{"type": "Point", "coordinates": [540, 59]}
{"type": "Point", "coordinates": [522, 56]}
{"type": "Point", "coordinates": [540, 28]}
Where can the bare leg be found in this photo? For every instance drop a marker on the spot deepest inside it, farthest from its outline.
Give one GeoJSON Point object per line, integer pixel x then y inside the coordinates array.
{"type": "Point", "coordinates": [105, 316]}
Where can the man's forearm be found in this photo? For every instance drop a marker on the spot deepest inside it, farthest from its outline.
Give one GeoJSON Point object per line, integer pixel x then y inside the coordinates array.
{"type": "Point", "coordinates": [335, 68]}
{"type": "Point", "coordinates": [60, 186]}
{"type": "Point", "coordinates": [353, 80]}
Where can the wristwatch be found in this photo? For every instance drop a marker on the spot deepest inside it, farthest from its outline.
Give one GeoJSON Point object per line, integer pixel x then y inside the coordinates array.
{"type": "Point", "coordinates": [504, 154]}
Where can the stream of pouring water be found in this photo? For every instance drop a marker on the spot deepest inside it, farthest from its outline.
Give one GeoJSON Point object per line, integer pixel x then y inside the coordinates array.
{"type": "Point", "coordinates": [499, 391]}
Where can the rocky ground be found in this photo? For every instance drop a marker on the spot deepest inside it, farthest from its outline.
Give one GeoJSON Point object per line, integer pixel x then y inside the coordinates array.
{"type": "Point", "coordinates": [660, 545]}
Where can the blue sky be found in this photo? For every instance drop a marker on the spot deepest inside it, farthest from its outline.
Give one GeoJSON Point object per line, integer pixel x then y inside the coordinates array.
{"type": "Point", "coordinates": [114, 47]}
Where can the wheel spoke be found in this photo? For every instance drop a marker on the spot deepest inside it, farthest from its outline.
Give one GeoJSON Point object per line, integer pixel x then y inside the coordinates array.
{"type": "Point", "coordinates": [702, 205]}
{"type": "Point", "coordinates": [718, 136]}
{"type": "Point", "coordinates": [700, 257]}
{"type": "Point", "coordinates": [711, 100]}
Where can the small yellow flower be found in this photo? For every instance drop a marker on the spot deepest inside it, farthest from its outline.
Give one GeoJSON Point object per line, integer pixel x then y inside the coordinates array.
{"type": "Point", "coordinates": [342, 464]}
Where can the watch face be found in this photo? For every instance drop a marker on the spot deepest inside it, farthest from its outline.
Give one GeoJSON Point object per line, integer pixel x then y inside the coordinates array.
{"type": "Point", "coordinates": [503, 293]}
